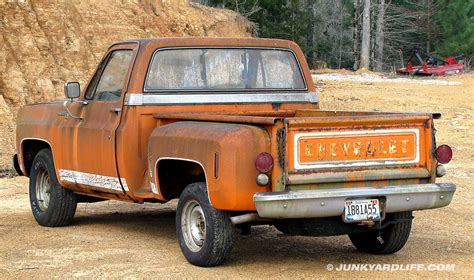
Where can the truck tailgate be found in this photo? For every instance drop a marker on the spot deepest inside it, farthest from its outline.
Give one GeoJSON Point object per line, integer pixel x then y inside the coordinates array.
{"type": "Point", "coordinates": [332, 147]}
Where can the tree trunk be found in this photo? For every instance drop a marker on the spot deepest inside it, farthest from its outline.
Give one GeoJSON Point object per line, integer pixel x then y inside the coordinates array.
{"type": "Point", "coordinates": [311, 7]}
{"type": "Point", "coordinates": [356, 47]}
{"type": "Point", "coordinates": [365, 44]}
{"type": "Point", "coordinates": [429, 14]}
{"type": "Point", "coordinates": [379, 37]}
{"type": "Point", "coordinates": [373, 23]}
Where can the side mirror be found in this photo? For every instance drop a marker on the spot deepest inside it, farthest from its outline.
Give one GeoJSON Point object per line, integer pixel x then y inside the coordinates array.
{"type": "Point", "coordinates": [72, 90]}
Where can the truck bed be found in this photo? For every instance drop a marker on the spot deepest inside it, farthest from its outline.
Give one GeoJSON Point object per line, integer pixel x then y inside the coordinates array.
{"type": "Point", "coordinates": [342, 148]}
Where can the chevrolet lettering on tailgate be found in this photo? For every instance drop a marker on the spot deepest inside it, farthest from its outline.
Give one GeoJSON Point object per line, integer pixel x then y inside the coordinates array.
{"type": "Point", "coordinates": [356, 148]}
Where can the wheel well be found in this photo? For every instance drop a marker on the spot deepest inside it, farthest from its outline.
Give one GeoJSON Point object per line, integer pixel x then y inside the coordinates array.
{"type": "Point", "coordinates": [30, 149]}
{"type": "Point", "coordinates": [175, 175]}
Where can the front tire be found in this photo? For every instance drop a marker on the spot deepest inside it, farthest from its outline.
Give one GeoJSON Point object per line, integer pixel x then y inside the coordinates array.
{"type": "Point", "coordinates": [394, 236]}
{"type": "Point", "coordinates": [51, 204]}
{"type": "Point", "coordinates": [205, 234]}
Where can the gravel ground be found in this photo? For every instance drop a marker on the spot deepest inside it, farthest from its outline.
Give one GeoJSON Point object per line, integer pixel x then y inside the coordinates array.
{"type": "Point", "coordinates": [373, 78]}
{"type": "Point", "coordinates": [121, 240]}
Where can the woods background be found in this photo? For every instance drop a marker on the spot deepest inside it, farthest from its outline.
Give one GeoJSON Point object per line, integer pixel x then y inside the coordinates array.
{"type": "Point", "coordinates": [373, 34]}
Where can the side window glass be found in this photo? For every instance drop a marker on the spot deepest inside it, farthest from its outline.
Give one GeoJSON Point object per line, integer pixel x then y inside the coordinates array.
{"type": "Point", "coordinates": [95, 80]}
{"type": "Point", "coordinates": [109, 87]}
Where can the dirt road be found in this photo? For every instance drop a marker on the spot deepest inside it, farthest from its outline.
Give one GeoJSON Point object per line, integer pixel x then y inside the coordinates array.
{"type": "Point", "coordinates": [114, 239]}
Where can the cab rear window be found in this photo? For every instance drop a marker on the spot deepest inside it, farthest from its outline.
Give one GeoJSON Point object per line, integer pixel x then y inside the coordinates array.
{"type": "Point", "coordinates": [224, 69]}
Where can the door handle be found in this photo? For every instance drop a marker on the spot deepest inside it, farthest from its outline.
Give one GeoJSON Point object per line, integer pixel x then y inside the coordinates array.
{"type": "Point", "coordinates": [63, 114]}
{"type": "Point", "coordinates": [116, 110]}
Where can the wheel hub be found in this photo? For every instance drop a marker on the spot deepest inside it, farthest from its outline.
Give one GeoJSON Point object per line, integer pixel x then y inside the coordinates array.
{"type": "Point", "coordinates": [193, 225]}
{"type": "Point", "coordinates": [43, 189]}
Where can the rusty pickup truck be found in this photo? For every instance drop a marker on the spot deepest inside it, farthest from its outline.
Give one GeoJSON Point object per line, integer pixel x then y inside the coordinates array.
{"type": "Point", "coordinates": [232, 127]}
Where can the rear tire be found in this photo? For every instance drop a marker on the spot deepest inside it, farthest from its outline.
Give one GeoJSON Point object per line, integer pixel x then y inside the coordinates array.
{"type": "Point", "coordinates": [51, 204]}
{"type": "Point", "coordinates": [205, 234]}
{"type": "Point", "coordinates": [282, 227]}
{"type": "Point", "coordinates": [394, 236]}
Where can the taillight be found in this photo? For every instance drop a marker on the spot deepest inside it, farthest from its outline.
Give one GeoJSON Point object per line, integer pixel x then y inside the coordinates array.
{"type": "Point", "coordinates": [264, 162]}
{"type": "Point", "coordinates": [444, 154]}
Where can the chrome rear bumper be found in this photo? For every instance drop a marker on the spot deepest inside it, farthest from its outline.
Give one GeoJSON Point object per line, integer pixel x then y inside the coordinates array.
{"type": "Point", "coordinates": [330, 202]}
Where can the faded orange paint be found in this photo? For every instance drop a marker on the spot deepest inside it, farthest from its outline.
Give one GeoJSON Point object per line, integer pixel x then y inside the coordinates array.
{"type": "Point", "coordinates": [115, 140]}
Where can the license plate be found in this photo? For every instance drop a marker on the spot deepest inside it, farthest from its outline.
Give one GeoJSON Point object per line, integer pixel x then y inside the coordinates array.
{"type": "Point", "coordinates": [361, 210]}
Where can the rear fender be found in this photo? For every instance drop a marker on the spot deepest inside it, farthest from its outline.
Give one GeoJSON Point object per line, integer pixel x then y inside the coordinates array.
{"type": "Point", "coordinates": [226, 153]}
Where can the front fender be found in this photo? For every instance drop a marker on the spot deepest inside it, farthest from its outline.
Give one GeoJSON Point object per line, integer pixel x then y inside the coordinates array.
{"type": "Point", "coordinates": [226, 152]}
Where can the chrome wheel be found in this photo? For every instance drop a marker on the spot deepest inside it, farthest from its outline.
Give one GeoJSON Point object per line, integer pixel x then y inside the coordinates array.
{"type": "Point", "coordinates": [43, 189]}
{"type": "Point", "coordinates": [193, 225]}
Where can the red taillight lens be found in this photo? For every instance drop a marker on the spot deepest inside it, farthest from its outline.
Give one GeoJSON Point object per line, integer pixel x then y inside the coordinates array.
{"type": "Point", "coordinates": [264, 162]}
{"type": "Point", "coordinates": [444, 154]}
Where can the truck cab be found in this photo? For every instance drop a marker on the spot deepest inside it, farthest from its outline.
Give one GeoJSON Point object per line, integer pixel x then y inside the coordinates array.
{"type": "Point", "coordinates": [232, 128]}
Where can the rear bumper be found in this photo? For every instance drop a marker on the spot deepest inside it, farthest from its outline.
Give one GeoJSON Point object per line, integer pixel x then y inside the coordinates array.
{"type": "Point", "coordinates": [330, 202]}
